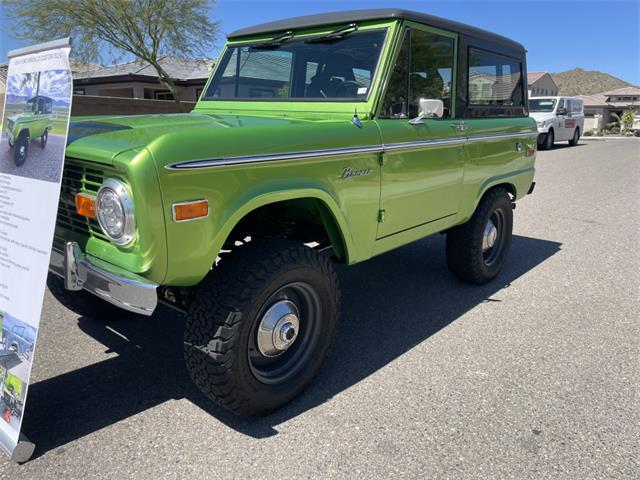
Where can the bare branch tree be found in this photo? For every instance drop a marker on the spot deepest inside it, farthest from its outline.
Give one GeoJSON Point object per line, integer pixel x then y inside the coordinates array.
{"type": "Point", "coordinates": [146, 29]}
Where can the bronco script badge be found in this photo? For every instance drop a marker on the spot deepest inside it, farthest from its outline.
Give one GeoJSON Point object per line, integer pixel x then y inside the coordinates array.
{"type": "Point", "coordinates": [348, 172]}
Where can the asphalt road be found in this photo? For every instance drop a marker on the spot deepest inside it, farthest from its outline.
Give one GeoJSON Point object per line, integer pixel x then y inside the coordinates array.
{"type": "Point", "coordinates": [533, 376]}
{"type": "Point", "coordinates": [41, 163]}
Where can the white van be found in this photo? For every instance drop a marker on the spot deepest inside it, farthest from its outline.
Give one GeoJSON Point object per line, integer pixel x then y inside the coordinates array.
{"type": "Point", "coordinates": [558, 119]}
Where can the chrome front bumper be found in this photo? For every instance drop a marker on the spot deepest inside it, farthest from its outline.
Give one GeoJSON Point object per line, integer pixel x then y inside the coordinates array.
{"type": "Point", "coordinates": [113, 284]}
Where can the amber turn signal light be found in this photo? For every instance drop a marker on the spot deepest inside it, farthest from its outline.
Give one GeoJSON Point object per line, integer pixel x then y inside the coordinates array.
{"type": "Point", "coordinates": [185, 211]}
{"type": "Point", "coordinates": [86, 205]}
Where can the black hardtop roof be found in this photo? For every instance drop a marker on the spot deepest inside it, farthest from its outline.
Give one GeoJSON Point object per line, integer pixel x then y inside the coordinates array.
{"type": "Point", "coordinates": [39, 96]}
{"type": "Point", "coordinates": [374, 14]}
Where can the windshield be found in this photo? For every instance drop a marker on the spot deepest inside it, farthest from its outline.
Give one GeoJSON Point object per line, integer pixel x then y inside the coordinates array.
{"type": "Point", "coordinates": [30, 106]}
{"type": "Point", "coordinates": [542, 104]}
{"type": "Point", "coordinates": [339, 68]}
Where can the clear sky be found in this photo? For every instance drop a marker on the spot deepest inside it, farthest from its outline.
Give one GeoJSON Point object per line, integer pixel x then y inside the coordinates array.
{"type": "Point", "coordinates": [559, 35]}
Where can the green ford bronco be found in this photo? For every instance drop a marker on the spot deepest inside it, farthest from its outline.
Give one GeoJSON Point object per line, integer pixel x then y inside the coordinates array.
{"type": "Point", "coordinates": [319, 139]}
{"type": "Point", "coordinates": [35, 122]}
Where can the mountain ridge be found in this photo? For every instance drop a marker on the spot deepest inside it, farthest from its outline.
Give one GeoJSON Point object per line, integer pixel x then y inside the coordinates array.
{"type": "Point", "coordinates": [579, 81]}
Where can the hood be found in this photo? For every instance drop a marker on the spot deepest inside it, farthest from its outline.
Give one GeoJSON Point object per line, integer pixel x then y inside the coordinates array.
{"type": "Point", "coordinates": [540, 116]}
{"type": "Point", "coordinates": [14, 118]}
{"type": "Point", "coordinates": [101, 139]}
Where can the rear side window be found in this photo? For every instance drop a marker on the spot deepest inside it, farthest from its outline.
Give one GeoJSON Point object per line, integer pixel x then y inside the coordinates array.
{"type": "Point", "coordinates": [495, 86]}
{"type": "Point", "coordinates": [576, 106]}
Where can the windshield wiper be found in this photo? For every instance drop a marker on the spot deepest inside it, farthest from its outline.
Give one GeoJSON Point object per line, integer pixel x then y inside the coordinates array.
{"type": "Point", "coordinates": [338, 34]}
{"type": "Point", "coordinates": [276, 41]}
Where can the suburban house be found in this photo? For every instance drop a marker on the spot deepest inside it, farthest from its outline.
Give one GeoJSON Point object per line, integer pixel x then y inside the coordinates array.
{"type": "Point", "coordinates": [541, 84]}
{"type": "Point", "coordinates": [598, 107]}
{"type": "Point", "coordinates": [139, 80]}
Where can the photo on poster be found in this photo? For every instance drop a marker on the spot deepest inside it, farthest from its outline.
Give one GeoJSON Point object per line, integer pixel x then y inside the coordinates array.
{"type": "Point", "coordinates": [34, 124]}
{"type": "Point", "coordinates": [17, 340]}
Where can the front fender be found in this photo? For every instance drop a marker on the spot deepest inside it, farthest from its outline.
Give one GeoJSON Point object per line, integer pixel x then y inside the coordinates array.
{"type": "Point", "coordinates": [200, 242]}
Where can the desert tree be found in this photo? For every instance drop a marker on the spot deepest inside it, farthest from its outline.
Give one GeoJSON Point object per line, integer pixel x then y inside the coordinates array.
{"type": "Point", "coordinates": [110, 29]}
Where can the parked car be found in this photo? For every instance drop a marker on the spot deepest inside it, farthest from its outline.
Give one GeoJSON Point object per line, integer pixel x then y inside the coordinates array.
{"type": "Point", "coordinates": [35, 122]}
{"type": "Point", "coordinates": [19, 338]}
{"type": "Point", "coordinates": [558, 119]}
{"type": "Point", "coordinates": [320, 139]}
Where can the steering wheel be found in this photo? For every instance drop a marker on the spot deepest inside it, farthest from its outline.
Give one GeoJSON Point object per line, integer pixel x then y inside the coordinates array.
{"type": "Point", "coordinates": [343, 86]}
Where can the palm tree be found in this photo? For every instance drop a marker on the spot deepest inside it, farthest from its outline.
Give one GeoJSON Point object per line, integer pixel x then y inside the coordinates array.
{"type": "Point", "coordinates": [623, 121]}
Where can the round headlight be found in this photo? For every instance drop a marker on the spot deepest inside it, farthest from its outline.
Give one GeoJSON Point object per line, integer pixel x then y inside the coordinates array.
{"type": "Point", "coordinates": [114, 209]}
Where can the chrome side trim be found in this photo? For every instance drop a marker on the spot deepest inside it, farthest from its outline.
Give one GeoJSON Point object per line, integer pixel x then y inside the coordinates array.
{"type": "Point", "coordinates": [502, 136]}
{"type": "Point", "coordinates": [390, 147]}
{"type": "Point", "coordinates": [221, 162]}
{"type": "Point", "coordinates": [276, 157]}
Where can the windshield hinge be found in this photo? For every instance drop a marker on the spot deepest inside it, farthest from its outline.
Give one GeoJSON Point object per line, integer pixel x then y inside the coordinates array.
{"type": "Point", "coordinates": [338, 34]}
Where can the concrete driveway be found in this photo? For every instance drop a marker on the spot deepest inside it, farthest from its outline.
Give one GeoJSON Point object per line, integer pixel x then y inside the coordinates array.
{"type": "Point", "coordinates": [41, 163]}
{"type": "Point", "coordinates": [533, 376]}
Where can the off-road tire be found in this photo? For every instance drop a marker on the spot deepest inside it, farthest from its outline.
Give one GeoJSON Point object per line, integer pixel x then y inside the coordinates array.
{"type": "Point", "coordinates": [465, 257]}
{"type": "Point", "coordinates": [549, 140]}
{"type": "Point", "coordinates": [81, 302]}
{"type": "Point", "coordinates": [44, 138]}
{"type": "Point", "coordinates": [22, 141]}
{"type": "Point", "coordinates": [225, 310]}
{"type": "Point", "coordinates": [576, 137]}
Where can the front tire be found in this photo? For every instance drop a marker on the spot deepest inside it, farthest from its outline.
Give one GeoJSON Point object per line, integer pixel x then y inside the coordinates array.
{"type": "Point", "coordinates": [549, 140]}
{"type": "Point", "coordinates": [576, 137]}
{"type": "Point", "coordinates": [21, 149]}
{"type": "Point", "coordinates": [44, 138]}
{"type": "Point", "coordinates": [260, 325]}
{"type": "Point", "coordinates": [477, 250]}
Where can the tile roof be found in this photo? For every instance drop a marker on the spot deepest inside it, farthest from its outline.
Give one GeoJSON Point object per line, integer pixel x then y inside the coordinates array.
{"type": "Point", "coordinates": [596, 100]}
{"type": "Point", "coordinates": [177, 67]}
{"type": "Point", "coordinates": [533, 77]}
{"type": "Point", "coordinates": [623, 91]}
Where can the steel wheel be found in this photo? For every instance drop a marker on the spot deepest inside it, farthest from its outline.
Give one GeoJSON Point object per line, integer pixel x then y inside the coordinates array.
{"type": "Point", "coordinates": [493, 238]}
{"type": "Point", "coordinates": [285, 333]}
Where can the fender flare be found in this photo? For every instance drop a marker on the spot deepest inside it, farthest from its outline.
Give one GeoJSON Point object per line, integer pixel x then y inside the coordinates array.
{"type": "Point", "coordinates": [332, 213]}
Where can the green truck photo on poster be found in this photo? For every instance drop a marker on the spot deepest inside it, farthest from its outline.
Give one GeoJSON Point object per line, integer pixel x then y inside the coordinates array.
{"type": "Point", "coordinates": [36, 121]}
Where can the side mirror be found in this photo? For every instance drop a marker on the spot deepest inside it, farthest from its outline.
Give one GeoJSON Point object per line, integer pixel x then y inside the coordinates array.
{"type": "Point", "coordinates": [428, 108]}
{"type": "Point", "coordinates": [562, 111]}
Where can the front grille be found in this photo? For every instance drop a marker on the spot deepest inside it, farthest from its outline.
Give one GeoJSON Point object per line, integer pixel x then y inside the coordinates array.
{"type": "Point", "coordinates": [79, 177]}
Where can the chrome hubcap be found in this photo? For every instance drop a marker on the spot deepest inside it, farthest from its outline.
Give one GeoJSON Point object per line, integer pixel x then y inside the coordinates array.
{"type": "Point", "coordinates": [21, 150]}
{"type": "Point", "coordinates": [490, 236]}
{"type": "Point", "coordinates": [278, 328]}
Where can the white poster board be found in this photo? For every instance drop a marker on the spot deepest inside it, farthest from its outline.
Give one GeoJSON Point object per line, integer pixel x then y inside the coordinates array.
{"type": "Point", "coordinates": [32, 146]}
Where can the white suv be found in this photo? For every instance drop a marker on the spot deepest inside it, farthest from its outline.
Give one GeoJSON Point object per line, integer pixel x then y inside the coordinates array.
{"type": "Point", "coordinates": [558, 119]}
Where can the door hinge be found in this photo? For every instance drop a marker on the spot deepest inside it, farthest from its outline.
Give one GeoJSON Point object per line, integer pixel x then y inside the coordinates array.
{"type": "Point", "coordinates": [381, 159]}
{"type": "Point", "coordinates": [381, 216]}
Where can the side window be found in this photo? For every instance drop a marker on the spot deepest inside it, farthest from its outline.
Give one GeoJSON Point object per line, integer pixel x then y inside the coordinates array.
{"type": "Point", "coordinates": [424, 69]}
{"type": "Point", "coordinates": [395, 100]}
{"type": "Point", "coordinates": [494, 81]}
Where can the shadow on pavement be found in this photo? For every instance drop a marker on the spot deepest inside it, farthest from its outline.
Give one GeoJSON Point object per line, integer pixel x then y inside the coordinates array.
{"type": "Point", "coordinates": [409, 288]}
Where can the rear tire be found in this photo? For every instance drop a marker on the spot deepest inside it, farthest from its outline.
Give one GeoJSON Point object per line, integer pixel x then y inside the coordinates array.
{"type": "Point", "coordinates": [230, 345]}
{"type": "Point", "coordinates": [576, 137]}
{"type": "Point", "coordinates": [476, 253]}
{"type": "Point", "coordinates": [44, 138]}
{"type": "Point", "coordinates": [81, 302]}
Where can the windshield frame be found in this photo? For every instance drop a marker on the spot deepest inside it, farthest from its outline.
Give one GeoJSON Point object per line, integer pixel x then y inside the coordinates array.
{"type": "Point", "coordinates": [377, 74]}
{"type": "Point", "coordinates": [553, 108]}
